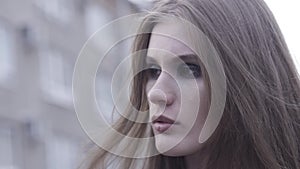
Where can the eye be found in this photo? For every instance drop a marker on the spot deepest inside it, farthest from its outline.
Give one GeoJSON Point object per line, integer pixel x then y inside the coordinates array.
{"type": "Point", "coordinates": [189, 70]}
{"type": "Point", "coordinates": [152, 72]}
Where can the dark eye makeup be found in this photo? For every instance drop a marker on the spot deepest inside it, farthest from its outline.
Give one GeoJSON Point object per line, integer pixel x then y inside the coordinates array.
{"type": "Point", "coordinates": [152, 72]}
{"type": "Point", "coordinates": [189, 71]}
{"type": "Point", "coordinates": [184, 70]}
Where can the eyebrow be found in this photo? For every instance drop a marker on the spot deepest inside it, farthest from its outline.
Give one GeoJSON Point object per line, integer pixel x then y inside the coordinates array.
{"type": "Point", "coordinates": [189, 57]}
{"type": "Point", "coordinates": [183, 57]}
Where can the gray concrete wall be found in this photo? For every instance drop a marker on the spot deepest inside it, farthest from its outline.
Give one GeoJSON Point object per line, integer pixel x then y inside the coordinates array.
{"type": "Point", "coordinates": [38, 128]}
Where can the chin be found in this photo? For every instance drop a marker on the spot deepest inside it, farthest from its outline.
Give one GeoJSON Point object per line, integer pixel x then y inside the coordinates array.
{"type": "Point", "coordinates": [181, 149]}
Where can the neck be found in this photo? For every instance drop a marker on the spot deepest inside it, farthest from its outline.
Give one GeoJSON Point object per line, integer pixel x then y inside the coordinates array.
{"type": "Point", "coordinates": [196, 161]}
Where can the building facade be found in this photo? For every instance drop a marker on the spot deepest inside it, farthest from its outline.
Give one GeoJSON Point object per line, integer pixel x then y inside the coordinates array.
{"type": "Point", "coordinates": [39, 43]}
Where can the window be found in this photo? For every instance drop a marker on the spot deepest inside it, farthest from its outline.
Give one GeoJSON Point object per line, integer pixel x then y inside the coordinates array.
{"type": "Point", "coordinates": [61, 10]}
{"type": "Point", "coordinates": [6, 154]}
{"type": "Point", "coordinates": [61, 153]}
{"type": "Point", "coordinates": [6, 57]}
{"type": "Point", "coordinates": [56, 75]}
{"type": "Point", "coordinates": [95, 18]}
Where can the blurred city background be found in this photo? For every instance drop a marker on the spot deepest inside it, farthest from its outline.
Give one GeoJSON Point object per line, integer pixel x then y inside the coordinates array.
{"type": "Point", "coordinates": [39, 43]}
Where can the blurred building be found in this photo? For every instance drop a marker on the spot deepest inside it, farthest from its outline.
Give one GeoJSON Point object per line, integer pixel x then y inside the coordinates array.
{"type": "Point", "coordinates": [39, 43]}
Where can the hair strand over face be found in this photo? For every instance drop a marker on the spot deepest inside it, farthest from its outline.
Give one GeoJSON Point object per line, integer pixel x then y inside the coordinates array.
{"type": "Point", "coordinates": [261, 121]}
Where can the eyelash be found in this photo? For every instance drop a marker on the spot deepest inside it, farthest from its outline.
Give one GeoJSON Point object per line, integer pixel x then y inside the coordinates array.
{"type": "Point", "coordinates": [152, 72]}
{"type": "Point", "coordinates": [187, 70]}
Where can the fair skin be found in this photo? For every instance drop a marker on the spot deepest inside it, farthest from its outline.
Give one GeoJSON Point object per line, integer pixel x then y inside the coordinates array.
{"type": "Point", "coordinates": [178, 91]}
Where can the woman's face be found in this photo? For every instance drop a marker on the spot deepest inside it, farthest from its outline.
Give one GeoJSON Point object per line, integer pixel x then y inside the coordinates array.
{"type": "Point", "coordinates": [178, 95]}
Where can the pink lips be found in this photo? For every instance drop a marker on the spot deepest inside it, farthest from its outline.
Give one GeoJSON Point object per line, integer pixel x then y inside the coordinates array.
{"type": "Point", "coordinates": [162, 123]}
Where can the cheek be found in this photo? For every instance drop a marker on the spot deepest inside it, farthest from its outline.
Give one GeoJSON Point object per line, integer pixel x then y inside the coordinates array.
{"type": "Point", "coordinates": [192, 96]}
{"type": "Point", "coordinates": [204, 101]}
{"type": "Point", "coordinates": [149, 85]}
{"type": "Point", "coordinates": [202, 113]}
{"type": "Point", "coordinates": [195, 105]}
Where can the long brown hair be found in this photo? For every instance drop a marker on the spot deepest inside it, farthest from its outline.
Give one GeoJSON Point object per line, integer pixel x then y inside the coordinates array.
{"type": "Point", "coordinates": [261, 121]}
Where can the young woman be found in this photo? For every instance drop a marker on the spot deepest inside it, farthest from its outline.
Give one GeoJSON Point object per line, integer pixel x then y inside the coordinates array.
{"type": "Point", "coordinates": [260, 125]}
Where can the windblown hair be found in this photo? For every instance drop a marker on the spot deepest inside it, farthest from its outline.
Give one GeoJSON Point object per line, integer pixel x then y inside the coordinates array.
{"type": "Point", "coordinates": [260, 125]}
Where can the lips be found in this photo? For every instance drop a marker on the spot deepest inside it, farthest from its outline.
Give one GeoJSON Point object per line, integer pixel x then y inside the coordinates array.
{"type": "Point", "coordinates": [162, 123]}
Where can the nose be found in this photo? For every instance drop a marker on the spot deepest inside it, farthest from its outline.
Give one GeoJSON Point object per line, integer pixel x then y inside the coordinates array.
{"type": "Point", "coordinates": [163, 91]}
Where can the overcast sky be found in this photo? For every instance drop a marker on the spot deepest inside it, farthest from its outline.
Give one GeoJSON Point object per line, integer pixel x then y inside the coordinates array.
{"type": "Point", "coordinates": [287, 14]}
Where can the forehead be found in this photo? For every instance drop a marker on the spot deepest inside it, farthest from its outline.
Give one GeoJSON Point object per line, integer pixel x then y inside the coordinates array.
{"type": "Point", "coordinates": [170, 37]}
